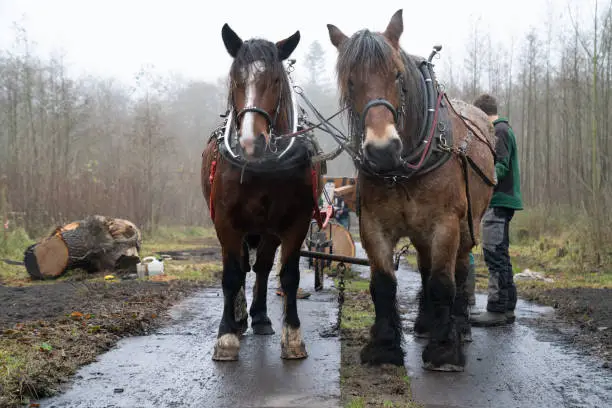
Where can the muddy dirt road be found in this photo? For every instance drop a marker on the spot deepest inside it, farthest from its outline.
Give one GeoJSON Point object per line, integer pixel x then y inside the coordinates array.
{"type": "Point", "coordinates": [173, 366]}
{"type": "Point", "coordinates": [525, 365]}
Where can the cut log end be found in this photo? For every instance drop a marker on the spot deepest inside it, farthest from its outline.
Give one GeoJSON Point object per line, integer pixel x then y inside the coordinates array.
{"type": "Point", "coordinates": [96, 243]}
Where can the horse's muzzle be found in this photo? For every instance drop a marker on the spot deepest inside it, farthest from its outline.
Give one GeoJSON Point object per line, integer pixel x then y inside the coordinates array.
{"type": "Point", "coordinates": [383, 158]}
{"type": "Point", "coordinates": [252, 148]}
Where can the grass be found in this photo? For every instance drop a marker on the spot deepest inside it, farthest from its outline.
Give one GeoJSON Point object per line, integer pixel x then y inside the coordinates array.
{"type": "Point", "coordinates": [544, 241]}
{"type": "Point", "coordinates": [363, 386]}
{"type": "Point", "coordinates": [175, 238]}
{"type": "Point", "coordinates": [357, 315]}
{"type": "Point", "coordinates": [12, 247]}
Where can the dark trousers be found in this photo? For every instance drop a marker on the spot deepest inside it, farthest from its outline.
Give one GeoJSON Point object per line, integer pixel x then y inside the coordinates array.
{"type": "Point", "coordinates": [344, 220]}
{"type": "Point", "coordinates": [495, 248]}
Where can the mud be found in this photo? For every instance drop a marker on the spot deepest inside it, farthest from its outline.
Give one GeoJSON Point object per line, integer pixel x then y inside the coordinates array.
{"type": "Point", "coordinates": [58, 300]}
{"type": "Point", "coordinates": [370, 386]}
{"type": "Point", "coordinates": [589, 309]}
{"type": "Point", "coordinates": [173, 366]}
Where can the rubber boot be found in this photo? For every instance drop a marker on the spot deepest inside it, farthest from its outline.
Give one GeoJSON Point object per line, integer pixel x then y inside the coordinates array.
{"type": "Point", "coordinates": [301, 294]}
{"type": "Point", "coordinates": [488, 319]}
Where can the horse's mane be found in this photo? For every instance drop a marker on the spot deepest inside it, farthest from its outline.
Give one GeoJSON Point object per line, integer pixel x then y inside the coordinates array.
{"type": "Point", "coordinates": [257, 49]}
{"type": "Point", "coordinates": [366, 54]}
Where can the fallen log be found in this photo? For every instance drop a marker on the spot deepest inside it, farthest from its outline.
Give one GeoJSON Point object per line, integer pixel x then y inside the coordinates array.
{"type": "Point", "coordinates": [95, 244]}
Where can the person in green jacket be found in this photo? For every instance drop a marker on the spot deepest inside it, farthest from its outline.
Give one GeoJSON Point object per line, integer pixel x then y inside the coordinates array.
{"type": "Point", "coordinates": [506, 199]}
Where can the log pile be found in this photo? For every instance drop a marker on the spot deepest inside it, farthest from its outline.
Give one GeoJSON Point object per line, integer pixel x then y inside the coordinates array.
{"type": "Point", "coordinates": [95, 244]}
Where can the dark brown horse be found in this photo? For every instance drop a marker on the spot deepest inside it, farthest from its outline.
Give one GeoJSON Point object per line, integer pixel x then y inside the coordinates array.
{"type": "Point", "coordinates": [415, 154]}
{"type": "Point", "coordinates": [258, 184]}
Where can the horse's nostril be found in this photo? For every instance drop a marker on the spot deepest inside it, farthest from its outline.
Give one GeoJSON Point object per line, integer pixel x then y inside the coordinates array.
{"type": "Point", "coordinates": [261, 139]}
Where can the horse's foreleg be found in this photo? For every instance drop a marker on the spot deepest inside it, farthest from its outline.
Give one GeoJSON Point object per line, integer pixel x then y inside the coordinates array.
{"type": "Point", "coordinates": [260, 322]}
{"type": "Point", "coordinates": [443, 352]}
{"type": "Point", "coordinates": [230, 328]}
{"type": "Point", "coordinates": [384, 346]}
{"type": "Point", "coordinates": [292, 344]}
{"type": "Point", "coordinates": [423, 320]}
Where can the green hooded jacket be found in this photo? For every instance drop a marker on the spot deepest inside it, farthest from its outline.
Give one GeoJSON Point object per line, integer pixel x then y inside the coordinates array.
{"type": "Point", "coordinates": [507, 193]}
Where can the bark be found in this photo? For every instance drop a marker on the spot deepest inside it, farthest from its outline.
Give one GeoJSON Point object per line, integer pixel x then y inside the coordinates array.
{"type": "Point", "coordinates": [95, 244]}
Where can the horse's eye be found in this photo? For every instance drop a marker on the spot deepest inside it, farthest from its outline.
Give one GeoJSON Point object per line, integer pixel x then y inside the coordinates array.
{"type": "Point", "coordinates": [398, 76]}
{"type": "Point", "coordinates": [350, 83]}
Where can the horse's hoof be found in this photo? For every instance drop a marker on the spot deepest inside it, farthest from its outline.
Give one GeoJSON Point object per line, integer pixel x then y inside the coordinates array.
{"type": "Point", "coordinates": [376, 355]}
{"type": "Point", "coordinates": [293, 352]}
{"type": "Point", "coordinates": [262, 329]}
{"type": "Point", "coordinates": [447, 356]}
{"type": "Point", "coordinates": [292, 345]}
{"type": "Point", "coordinates": [227, 348]}
{"type": "Point", "coordinates": [449, 368]}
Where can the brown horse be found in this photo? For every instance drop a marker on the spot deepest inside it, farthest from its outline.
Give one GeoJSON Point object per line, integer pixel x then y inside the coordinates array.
{"type": "Point", "coordinates": [259, 186]}
{"type": "Point", "coordinates": [419, 161]}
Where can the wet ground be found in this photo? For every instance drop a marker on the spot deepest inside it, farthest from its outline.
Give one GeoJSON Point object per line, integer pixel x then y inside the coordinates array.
{"type": "Point", "coordinates": [173, 366]}
{"type": "Point", "coordinates": [521, 365]}
{"type": "Point", "coordinates": [528, 364]}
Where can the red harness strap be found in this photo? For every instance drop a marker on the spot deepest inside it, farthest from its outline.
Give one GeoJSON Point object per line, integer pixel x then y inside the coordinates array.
{"type": "Point", "coordinates": [211, 178]}
{"type": "Point", "coordinates": [315, 188]}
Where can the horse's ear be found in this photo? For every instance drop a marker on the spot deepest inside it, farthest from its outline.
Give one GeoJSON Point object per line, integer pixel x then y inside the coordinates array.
{"type": "Point", "coordinates": [395, 28]}
{"type": "Point", "coordinates": [336, 36]}
{"type": "Point", "coordinates": [231, 40]}
{"type": "Point", "coordinates": [287, 46]}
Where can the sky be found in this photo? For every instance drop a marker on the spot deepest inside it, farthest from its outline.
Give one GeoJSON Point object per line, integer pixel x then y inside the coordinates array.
{"type": "Point", "coordinates": [116, 37]}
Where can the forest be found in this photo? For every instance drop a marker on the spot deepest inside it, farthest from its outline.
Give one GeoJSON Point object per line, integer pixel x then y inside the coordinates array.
{"type": "Point", "coordinates": [73, 146]}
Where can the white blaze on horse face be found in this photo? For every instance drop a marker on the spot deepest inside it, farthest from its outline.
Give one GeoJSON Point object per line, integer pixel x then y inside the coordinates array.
{"type": "Point", "coordinates": [247, 134]}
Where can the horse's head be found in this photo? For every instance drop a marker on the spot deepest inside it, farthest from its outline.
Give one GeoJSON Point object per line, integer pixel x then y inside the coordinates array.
{"type": "Point", "coordinates": [258, 87]}
{"type": "Point", "coordinates": [371, 78]}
